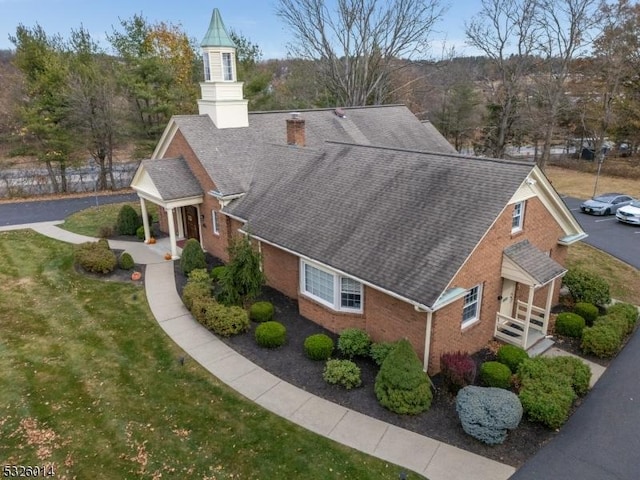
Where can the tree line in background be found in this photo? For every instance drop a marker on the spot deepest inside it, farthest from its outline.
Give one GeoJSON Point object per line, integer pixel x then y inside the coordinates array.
{"type": "Point", "coordinates": [551, 70]}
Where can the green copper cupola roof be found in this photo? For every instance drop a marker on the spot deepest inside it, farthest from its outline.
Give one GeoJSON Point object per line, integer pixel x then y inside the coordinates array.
{"type": "Point", "coordinates": [217, 35]}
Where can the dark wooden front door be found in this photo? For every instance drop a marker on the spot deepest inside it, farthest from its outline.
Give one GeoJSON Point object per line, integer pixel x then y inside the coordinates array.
{"type": "Point", "coordinates": [191, 222]}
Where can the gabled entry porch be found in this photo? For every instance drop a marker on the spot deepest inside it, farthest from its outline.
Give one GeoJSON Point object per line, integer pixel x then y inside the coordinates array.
{"type": "Point", "coordinates": [529, 276]}
{"type": "Point", "coordinates": [170, 184]}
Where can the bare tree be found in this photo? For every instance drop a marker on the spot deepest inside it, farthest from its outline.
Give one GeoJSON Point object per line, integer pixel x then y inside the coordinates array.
{"type": "Point", "coordinates": [507, 33]}
{"type": "Point", "coordinates": [357, 45]}
{"type": "Point", "coordinates": [565, 27]}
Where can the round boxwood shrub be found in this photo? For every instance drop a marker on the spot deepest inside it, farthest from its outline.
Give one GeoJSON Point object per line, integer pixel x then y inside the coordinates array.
{"type": "Point", "coordinates": [318, 346]}
{"type": "Point", "coordinates": [140, 232]}
{"type": "Point", "coordinates": [342, 372]}
{"type": "Point", "coordinates": [628, 311]}
{"type": "Point", "coordinates": [380, 350]}
{"type": "Point", "coordinates": [128, 220]}
{"type": "Point", "coordinates": [226, 321]}
{"type": "Point", "coordinates": [354, 342]}
{"type": "Point", "coordinates": [570, 325]}
{"type": "Point", "coordinates": [216, 272]}
{"type": "Point", "coordinates": [261, 312]}
{"type": "Point", "coordinates": [125, 261]}
{"type": "Point", "coordinates": [512, 356]}
{"type": "Point", "coordinates": [401, 385]}
{"type": "Point", "coordinates": [586, 287]}
{"type": "Point", "coordinates": [270, 334]}
{"type": "Point", "coordinates": [495, 374]}
{"type": "Point", "coordinates": [95, 257]}
{"type": "Point", "coordinates": [588, 311]}
{"type": "Point", "coordinates": [192, 256]}
{"type": "Point", "coordinates": [602, 340]}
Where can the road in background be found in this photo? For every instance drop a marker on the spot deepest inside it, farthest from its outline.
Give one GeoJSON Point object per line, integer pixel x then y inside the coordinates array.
{"type": "Point", "coordinates": [19, 212]}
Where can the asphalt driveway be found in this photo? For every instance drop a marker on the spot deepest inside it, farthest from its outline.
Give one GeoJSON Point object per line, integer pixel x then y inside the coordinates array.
{"type": "Point", "coordinates": [607, 234]}
{"type": "Point", "coordinates": [20, 212]}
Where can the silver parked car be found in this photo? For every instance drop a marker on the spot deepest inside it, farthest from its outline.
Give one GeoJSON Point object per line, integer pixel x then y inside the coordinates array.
{"type": "Point", "coordinates": [605, 204]}
{"type": "Point", "coordinates": [630, 213]}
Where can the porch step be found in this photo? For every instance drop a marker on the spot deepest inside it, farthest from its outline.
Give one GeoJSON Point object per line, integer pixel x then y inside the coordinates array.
{"type": "Point", "coordinates": [540, 347]}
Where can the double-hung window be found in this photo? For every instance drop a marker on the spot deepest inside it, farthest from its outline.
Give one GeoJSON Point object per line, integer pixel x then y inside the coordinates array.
{"type": "Point", "coordinates": [227, 67]}
{"type": "Point", "coordinates": [214, 222]}
{"type": "Point", "coordinates": [207, 67]}
{"type": "Point", "coordinates": [517, 221]}
{"type": "Point", "coordinates": [471, 307]}
{"type": "Point", "coordinates": [329, 288]}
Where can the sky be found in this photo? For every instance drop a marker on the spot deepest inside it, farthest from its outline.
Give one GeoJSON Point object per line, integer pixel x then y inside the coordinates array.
{"type": "Point", "coordinates": [255, 19]}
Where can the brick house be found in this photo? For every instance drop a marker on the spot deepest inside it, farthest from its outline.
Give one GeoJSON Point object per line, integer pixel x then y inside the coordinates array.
{"type": "Point", "coordinates": [366, 216]}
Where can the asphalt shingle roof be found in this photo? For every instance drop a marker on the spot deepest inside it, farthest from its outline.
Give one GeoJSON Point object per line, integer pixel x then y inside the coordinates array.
{"type": "Point", "coordinates": [403, 220]}
{"type": "Point", "coordinates": [229, 154]}
{"type": "Point", "coordinates": [173, 178]}
{"type": "Point", "coordinates": [540, 266]}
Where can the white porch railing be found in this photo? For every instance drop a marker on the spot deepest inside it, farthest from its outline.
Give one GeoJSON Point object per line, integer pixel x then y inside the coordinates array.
{"type": "Point", "coordinates": [537, 316]}
{"type": "Point", "coordinates": [510, 330]}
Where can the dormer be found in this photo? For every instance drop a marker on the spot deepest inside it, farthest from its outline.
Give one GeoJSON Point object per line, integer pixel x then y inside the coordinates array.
{"type": "Point", "coordinates": [222, 97]}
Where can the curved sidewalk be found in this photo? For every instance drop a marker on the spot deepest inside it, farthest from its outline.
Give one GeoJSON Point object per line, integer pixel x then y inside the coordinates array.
{"type": "Point", "coordinates": [431, 458]}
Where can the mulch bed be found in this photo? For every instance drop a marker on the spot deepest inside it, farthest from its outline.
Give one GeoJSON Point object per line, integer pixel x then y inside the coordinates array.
{"type": "Point", "coordinates": [440, 422]}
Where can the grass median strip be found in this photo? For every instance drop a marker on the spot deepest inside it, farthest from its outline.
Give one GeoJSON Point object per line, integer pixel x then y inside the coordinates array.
{"type": "Point", "coordinates": [92, 385]}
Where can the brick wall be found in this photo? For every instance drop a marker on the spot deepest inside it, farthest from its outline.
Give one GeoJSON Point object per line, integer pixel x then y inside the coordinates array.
{"type": "Point", "coordinates": [281, 269]}
{"type": "Point", "coordinates": [484, 266]}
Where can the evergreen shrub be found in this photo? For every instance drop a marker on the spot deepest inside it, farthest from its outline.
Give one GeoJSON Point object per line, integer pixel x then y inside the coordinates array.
{"type": "Point", "coordinates": [512, 356]}
{"type": "Point", "coordinates": [95, 257]}
{"type": "Point", "coordinates": [586, 287]}
{"type": "Point", "coordinates": [378, 351]}
{"type": "Point", "coordinates": [261, 312]}
{"type": "Point", "coordinates": [602, 340]}
{"type": "Point", "coordinates": [495, 374]}
{"type": "Point", "coordinates": [128, 220]}
{"type": "Point", "coordinates": [125, 261]}
{"type": "Point", "coordinates": [192, 256]}
{"type": "Point", "coordinates": [342, 372]}
{"type": "Point", "coordinates": [570, 324]}
{"type": "Point", "coordinates": [588, 311]}
{"type": "Point", "coordinates": [318, 346]}
{"type": "Point", "coordinates": [270, 334]}
{"type": "Point", "coordinates": [354, 342]}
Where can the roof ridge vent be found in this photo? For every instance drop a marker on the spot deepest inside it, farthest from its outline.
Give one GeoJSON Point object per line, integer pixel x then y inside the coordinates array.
{"type": "Point", "coordinates": [340, 113]}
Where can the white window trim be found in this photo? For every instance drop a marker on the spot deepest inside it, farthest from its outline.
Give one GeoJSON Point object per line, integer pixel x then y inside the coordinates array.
{"type": "Point", "coordinates": [478, 302]}
{"type": "Point", "coordinates": [214, 222]}
{"type": "Point", "coordinates": [222, 55]}
{"type": "Point", "coordinates": [520, 225]}
{"type": "Point", "coordinates": [337, 289]}
{"type": "Point", "coordinates": [207, 67]}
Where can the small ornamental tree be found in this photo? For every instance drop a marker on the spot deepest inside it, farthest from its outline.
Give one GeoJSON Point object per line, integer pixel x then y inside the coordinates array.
{"type": "Point", "coordinates": [128, 220]}
{"type": "Point", "coordinates": [192, 257]}
{"type": "Point", "coordinates": [242, 279]}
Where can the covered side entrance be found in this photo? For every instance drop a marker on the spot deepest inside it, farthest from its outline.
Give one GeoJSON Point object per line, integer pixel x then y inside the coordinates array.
{"type": "Point", "coordinates": [525, 268]}
{"type": "Point", "coordinates": [170, 184]}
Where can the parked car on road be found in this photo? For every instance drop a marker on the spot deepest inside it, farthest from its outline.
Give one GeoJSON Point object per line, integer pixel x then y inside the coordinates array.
{"type": "Point", "coordinates": [605, 204]}
{"type": "Point", "coordinates": [630, 213]}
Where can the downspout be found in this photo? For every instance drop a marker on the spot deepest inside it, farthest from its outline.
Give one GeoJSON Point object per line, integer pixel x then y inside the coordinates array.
{"type": "Point", "coordinates": [427, 336]}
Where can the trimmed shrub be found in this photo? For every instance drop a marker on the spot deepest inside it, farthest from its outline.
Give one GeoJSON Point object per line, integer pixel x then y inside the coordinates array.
{"type": "Point", "coordinates": [270, 334]}
{"type": "Point", "coordinates": [458, 370]}
{"type": "Point", "coordinates": [125, 261]}
{"type": "Point", "coordinates": [588, 311]}
{"type": "Point", "coordinates": [216, 272]}
{"type": "Point", "coordinates": [401, 385]}
{"type": "Point", "coordinates": [570, 325]}
{"type": "Point", "coordinates": [104, 243]}
{"type": "Point", "coordinates": [200, 305]}
{"type": "Point", "coordinates": [128, 221]}
{"type": "Point", "coordinates": [192, 257]}
{"type": "Point", "coordinates": [106, 231]}
{"type": "Point", "coordinates": [95, 257]}
{"type": "Point", "coordinates": [512, 356]}
{"type": "Point", "coordinates": [602, 340]}
{"type": "Point", "coordinates": [193, 291]}
{"type": "Point", "coordinates": [318, 346]}
{"type": "Point", "coordinates": [222, 320]}
{"type": "Point", "coordinates": [630, 312]}
{"type": "Point", "coordinates": [342, 372]}
{"type": "Point", "coordinates": [378, 351]}
{"type": "Point", "coordinates": [354, 342]}
{"type": "Point", "coordinates": [199, 275]}
{"type": "Point", "coordinates": [261, 312]}
{"type": "Point", "coordinates": [140, 232]}
{"type": "Point", "coordinates": [487, 413]}
{"type": "Point", "coordinates": [617, 321]}
{"type": "Point", "coordinates": [586, 287]}
{"type": "Point", "coordinates": [549, 386]}
{"type": "Point", "coordinates": [495, 374]}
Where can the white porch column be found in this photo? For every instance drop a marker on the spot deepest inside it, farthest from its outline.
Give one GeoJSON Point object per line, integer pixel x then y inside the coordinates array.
{"type": "Point", "coordinates": [547, 308]}
{"type": "Point", "coordinates": [527, 320]}
{"type": "Point", "coordinates": [180, 218]}
{"type": "Point", "coordinates": [145, 220]}
{"type": "Point", "coordinates": [172, 233]}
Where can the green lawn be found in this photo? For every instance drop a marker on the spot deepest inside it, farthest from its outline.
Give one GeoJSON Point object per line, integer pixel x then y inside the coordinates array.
{"type": "Point", "coordinates": [91, 384]}
{"type": "Point", "coordinates": [91, 221]}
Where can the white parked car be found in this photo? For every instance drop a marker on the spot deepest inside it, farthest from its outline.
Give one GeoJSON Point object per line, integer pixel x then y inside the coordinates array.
{"type": "Point", "coordinates": [630, 213]}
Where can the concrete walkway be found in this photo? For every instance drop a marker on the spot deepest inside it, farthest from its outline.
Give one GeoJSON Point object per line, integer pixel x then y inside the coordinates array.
{"type": "Point", "coordinates": [433, 459]}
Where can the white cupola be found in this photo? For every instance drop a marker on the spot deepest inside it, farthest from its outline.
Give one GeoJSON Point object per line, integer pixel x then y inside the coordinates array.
{"type": "Point", "coordinates": [221, 93]}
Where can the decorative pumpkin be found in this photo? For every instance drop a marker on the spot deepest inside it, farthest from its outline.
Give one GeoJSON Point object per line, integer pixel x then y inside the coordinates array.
{"type": "Point", "coordinates": [152, 240]}
{"type": "Point", "coordinates": [167, 256]}
{"type": "Point", "coordinates": [136, 276]}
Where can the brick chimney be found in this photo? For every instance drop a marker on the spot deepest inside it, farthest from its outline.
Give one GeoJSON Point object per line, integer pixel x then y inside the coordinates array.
{"type": "Point", "coordinates": [295, 130]}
